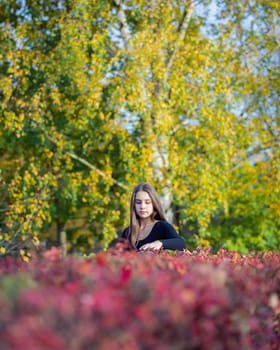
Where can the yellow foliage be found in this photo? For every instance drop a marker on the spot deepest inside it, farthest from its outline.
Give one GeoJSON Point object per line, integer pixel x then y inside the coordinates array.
{"type": "Point", "coordinates": [113, 102]}
{"type": "Point", "coordinates": [2, 250]}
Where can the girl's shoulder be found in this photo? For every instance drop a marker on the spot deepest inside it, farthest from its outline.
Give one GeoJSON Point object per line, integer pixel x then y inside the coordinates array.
{"type": "Point", "coordinates": [163, 223]}
{"type": "Point", "coordinates": [166, 226]}
{"type": "Point", "coordinates": [125, 233]}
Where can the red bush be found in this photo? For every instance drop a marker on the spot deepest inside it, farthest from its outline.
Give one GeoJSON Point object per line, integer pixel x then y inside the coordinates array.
{"type": "Point", "coordinates": [129, 300]}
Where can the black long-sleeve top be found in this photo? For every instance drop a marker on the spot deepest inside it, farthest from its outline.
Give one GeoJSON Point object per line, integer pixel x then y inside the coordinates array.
{"type": "Point", "coordinates": [164, 232]}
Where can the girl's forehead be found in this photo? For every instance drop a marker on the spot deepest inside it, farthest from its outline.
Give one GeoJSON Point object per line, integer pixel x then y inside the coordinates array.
{"type": "Point", "coordinates": [142, 195]}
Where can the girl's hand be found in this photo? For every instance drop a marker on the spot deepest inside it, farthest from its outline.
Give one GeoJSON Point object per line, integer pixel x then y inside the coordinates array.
{"type": "Point", "coordinates": [156, 245]}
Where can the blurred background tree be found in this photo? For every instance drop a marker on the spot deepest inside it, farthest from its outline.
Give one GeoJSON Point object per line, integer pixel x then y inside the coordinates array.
{"type": "Point", "coordinates": [97, 96]}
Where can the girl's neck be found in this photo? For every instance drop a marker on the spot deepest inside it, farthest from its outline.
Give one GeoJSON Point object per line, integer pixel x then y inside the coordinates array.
{"type": "Point", "coordinates": [146, 222]}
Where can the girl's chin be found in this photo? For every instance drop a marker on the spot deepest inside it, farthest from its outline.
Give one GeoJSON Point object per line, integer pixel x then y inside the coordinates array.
{"type": "Point", "coordinates": [144, 216]}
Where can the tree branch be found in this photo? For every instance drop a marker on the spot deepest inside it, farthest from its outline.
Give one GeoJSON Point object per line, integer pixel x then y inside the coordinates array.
{"type": "Point", "coordinates": [182, 29]}
{"type": "Point", "coordinates": [123, 23]}
{"type": "Point", "coordinates": [89, 165]}
{"type": "Point", "coordinates": [126, 35]}
{"type": "Point", "coordinates": [93, 167]}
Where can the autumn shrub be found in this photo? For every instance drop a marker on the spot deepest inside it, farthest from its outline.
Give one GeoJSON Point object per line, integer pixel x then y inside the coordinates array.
{"type": "Point", "coordinates": [129, 300]}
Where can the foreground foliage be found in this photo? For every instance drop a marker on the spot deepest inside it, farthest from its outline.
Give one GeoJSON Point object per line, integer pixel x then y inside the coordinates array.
{"type": "Point", "coordinates": [130, 300]}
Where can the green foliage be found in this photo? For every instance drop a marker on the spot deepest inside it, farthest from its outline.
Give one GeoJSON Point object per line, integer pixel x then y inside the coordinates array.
{"type": "Point", "coordinates": [12, 285]}
{"type": "Point", "coordinates": [97, 96]}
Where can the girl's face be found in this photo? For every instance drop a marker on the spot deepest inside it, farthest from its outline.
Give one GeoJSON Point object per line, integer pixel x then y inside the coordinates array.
{"type": "Point", "coordinates": [143, 205]}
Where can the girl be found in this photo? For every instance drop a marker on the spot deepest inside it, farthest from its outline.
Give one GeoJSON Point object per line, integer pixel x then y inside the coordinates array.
{"type": "Point", "coordinates": [148, 228]}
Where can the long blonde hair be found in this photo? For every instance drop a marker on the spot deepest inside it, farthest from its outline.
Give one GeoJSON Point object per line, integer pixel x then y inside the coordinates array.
{"type": "Point", "coordinates": [158, 213]}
